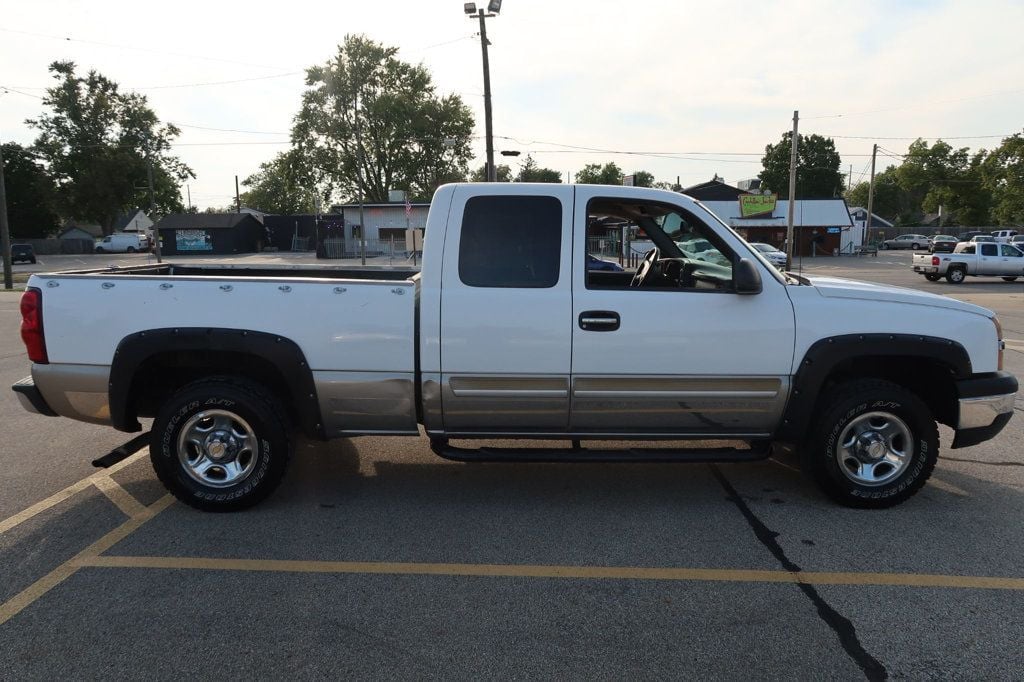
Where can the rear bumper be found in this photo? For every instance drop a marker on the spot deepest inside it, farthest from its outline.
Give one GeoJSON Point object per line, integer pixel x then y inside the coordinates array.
{"type": "Point", "coordinates": [986, 404]}
{"type": "Point", "coordinates": [30, 397]}
{"type": "Point", "coordinates": [926, 269]}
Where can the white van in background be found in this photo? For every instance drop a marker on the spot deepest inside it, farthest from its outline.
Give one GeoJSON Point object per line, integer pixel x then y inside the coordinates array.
{"type": "Point", "coordinates": [123, 242]}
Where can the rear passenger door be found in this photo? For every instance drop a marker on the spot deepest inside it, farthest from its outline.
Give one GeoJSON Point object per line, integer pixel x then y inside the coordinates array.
{"type": "Point", "coordinates": [989, 262]}
{"type": "Point", "coordinates": [506, 308]}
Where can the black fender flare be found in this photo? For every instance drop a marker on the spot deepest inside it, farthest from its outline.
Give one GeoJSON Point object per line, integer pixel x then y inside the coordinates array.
{"type": "Point", "coordinates": [824, 355]}
{"type": "Point", "coordinates": [283, 353]}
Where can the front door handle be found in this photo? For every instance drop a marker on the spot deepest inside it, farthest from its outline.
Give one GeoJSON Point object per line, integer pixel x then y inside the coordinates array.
{"type": "Point", "coordinates": [599, 321]}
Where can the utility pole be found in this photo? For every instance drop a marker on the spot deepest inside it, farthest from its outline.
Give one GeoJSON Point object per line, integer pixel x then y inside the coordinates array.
{"type": "Point", "coordinates": [492, 172]}
{"type": "Point", "coordinates": [849, 179]}
{"type": "Point", "coordinates": [360, 159]}
{"type": "Point", "coordinates": [152, 208]}
{"type": "Point", "coordinates": [188, 191]}
{"type": "Point", "coordinates": [871, 192]}
{"type": "Point", "coordinates": [5, 235]}
{"type": "Point", "coordinates": [792, 191]}
{"type": "Point", "coordinates": [238, 197]}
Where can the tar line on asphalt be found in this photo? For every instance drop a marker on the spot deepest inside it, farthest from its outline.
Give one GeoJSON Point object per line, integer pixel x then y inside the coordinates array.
{"type": "Point", "coordinates": [843, 628]}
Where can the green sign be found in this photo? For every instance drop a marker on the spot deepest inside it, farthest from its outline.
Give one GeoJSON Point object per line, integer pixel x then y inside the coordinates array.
{"type": "Point", "coordinates": [754, 205]}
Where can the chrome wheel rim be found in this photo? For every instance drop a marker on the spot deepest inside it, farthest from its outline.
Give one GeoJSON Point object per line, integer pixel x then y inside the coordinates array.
{"type": "Point", "coordinates": [217, 448]}
{"type": "Point", "coordinates": [875, 448]}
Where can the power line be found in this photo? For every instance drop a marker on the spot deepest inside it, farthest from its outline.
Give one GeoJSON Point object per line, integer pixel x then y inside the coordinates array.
{"type": "Point", "coordinates": [228, 82]}
{"type": "Point", "coordinates": [917, 137]}
{"type": "Point", "coordinates": [919, 105]}
{"type": "Point", "coordinates": [137, 48]}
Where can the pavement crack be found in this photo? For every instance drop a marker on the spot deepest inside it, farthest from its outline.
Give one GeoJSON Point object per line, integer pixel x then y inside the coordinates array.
{"type": "Point", "coordinates": [843, 628]}
{"type": "Point", "coordinates": [981, 461]}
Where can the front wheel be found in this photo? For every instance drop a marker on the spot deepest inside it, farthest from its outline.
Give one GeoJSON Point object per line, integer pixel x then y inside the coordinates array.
{"type": "Point", "coordinates": [885, 246]}
{"type": "Point", "coordinates": [873, 445]}
{"type": "Point", "coordinates": [221, 444]}
{"type": "Point", "coordinates": [956, 275]}
{"type": "Point", "coordinates": [1009, 279]}
{"type": "Point", "coordinates": [933, 277]}
{"type": "Point", "coordinates": [131, 249]}
{"type": "Point", "coordinates": [100, 249]}
{"type": "Point", "coordinates": [915, 247]}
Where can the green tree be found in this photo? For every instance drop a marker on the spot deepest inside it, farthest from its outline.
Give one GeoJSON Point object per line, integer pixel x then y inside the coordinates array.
{"type": "Point", "coordinates": [596, 174]}
{"type": "Point", "coordinates": [670, 186]}
{"type": "Point", "coordinates": [818, 175]}
{"type": "Point", "coordinates": [1002, 172]}
{"type": "Point", "coordinates": [371, 123]}
{"type": "Point", "coordinates": [281, 185]}
{"type": "Point", "coordinates": [96, 140]}
{"type": "Point", "coordinates": [939, 175]}
{"type": "Point", "coordinates": [643, 179]}
{"type": "Point", "coordinates": [502, 172]}
{"type": "Point", "coordinates": [31, 195]}
{"type": "Point", "coordinates": [531, 172]}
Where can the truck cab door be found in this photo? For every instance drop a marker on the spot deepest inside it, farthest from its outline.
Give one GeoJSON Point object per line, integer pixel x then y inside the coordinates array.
{"type": "Point", "coordinates": [989, 262]}
{"type": "Point", "coordinates": [683, 353]}
{"type": "Point", "coordinates": [506, 303]}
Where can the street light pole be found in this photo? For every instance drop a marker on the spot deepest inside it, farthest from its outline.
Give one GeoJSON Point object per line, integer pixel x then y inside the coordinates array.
{"type": "Point", "coordinates": [5, 235]}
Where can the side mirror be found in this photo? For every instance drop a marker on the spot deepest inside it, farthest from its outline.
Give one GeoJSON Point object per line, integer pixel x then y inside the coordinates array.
{"type": "Point", "coordinates": [745, 277]}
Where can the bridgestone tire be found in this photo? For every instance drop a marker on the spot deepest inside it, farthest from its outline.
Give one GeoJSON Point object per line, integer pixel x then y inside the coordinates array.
{"type": "Point", "coordinates": [933, 277]}
{"type": "Point", "coordinates": [956, 275]}
{"type": "Point", "coordinates": [844, 404]}
{"type": "Point", "coordinates": [245, 399]}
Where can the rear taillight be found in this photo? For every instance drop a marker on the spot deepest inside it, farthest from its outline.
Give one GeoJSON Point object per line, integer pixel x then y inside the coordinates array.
{"type": "Point", "coordinates": [32, 325]}
{"type": "Point", "coordinates": [935, 260]}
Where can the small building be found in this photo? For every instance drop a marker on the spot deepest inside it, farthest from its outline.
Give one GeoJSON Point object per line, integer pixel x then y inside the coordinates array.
{"type": "Point", "coordinates": [385, 224]}
{"type": "Point", "coordinates": [715, 189]}
{"type": "Point", "coordinates": [77, 229]}
{"type": "Point", "coordinates": [821, 226]}
{"type": "Point", "coordinates": [136, 222]}
{"type": "Point", "coordinates": [211, 234]}
{"type": "Point", "coordinates": [301, 232]}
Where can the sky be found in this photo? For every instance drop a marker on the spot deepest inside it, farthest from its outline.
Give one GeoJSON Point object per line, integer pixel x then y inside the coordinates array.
{"type": "Point", "coordinates": [694, 88]}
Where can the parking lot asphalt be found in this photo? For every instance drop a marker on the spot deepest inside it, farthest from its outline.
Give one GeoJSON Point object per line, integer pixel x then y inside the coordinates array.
{"type": "Point", "coordinates": [377, 559]}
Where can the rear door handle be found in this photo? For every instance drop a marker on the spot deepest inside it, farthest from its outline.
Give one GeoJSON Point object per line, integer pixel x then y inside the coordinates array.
{"type": "Point", "coordinates": [599, 321]}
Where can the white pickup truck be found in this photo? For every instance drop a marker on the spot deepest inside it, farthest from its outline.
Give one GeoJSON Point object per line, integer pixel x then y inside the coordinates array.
{"type": "Point", "coordinates": [972, 259]}
{"type": "Point", "coordinates": [507, 333]}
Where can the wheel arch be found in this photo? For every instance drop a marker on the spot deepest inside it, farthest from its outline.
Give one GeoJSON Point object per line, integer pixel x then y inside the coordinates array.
{"type": "Point", "coordinates": [927, 366]}
{"type": "Point", "coordinates": [150, 365]}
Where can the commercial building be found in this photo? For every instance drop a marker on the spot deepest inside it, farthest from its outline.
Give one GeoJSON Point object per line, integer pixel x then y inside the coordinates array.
{"type": "Point", "coordinates": [211, 234]}
{"type": "Point", "coordinates": [821, 226]}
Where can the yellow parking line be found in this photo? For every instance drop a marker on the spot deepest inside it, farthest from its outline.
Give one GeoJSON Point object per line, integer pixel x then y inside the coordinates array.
{"type": "Point", "coordinates": [70, 491]}
{"type": "Point", "coordinates": [534, 571]}
{"type": "Point", "coordinates": [119, 496]}
{"type": "Point", "coordinates": [30, 594]}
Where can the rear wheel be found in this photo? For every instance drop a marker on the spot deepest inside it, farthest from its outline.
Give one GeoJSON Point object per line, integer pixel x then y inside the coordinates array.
{"type": "Point", "coordinates": [933, 277]}
{"type": "Point", "coordinates": [221, 444]}
{"type": "Point", "coordinates": [885, 246]}
{"type": "Point", "coordinates": [956, 275]}
{"type": "Point", "coordinates": [915, 246]}
{"type": "Point", "coordinates": [873, 445]}
{"type": "Point", "coordinates": [1005, 279]}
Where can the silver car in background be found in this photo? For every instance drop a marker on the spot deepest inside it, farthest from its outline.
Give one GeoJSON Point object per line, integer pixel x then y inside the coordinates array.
{"type": "Point", "coordinates": [772, 254]}
{"type": "Point", "coordinates": [907, 241]}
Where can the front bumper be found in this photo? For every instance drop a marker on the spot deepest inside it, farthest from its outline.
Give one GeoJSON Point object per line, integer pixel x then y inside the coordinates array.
{"type": "Point", "coordinates": [986, 403]}
{"type": "Point", "coordinates": [30, 397]}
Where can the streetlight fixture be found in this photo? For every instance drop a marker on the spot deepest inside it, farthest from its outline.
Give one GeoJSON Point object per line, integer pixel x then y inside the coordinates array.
{"type": "Point", "coordinates": [493, 9]}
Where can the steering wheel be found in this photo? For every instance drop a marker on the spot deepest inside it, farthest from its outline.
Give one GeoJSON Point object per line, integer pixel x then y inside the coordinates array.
{"type": "Point", "coordinates": [645, 268]}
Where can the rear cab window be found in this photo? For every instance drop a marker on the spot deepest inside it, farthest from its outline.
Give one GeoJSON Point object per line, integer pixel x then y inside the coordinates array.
{"type": "Point", "coordinates": [511, 242]}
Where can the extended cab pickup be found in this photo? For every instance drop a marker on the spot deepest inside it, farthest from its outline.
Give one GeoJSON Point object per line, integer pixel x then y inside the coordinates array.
{"type": "Point", "coordinates": [506, 333]}
{"type": "Point", "coordinates": [972, 259]}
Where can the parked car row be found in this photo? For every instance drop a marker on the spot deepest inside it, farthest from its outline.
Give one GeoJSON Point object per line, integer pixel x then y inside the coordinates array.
{"type": "Point", "coordinates": [945, 243]}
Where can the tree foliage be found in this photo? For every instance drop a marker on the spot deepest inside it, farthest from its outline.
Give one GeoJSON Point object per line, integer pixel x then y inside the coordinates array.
{"type": "Point", "coordinates": [1002, 175]}
{"type": "Point", "coordinates": [817, 167]}
{"type": "Point", "coordinates": [282, 186]}
{"type": "Point", "coordinates": [31, 195]}
{"type": "Point", "coordinates": [596, 174]}
{"type": "Point", "coordinates": [643, 178]}
{"type": "Point", "coordinates": [370, 123]}
{"type": "Point", "coordinates": [530, 171]}
{"type": "Point", "coordinates": [96, 139]}
{"type": "Point", "coordinates": [502, 173]}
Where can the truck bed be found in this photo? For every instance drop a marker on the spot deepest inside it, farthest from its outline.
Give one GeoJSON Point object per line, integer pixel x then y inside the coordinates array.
{"type": "Point", "coordinates": [253, 270]}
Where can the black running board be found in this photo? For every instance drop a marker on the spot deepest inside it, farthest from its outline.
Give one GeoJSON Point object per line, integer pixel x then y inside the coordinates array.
{"type": "Point", "coordinates": [442, 448]}
{"type": "Point", "coordinates": [122, 452]}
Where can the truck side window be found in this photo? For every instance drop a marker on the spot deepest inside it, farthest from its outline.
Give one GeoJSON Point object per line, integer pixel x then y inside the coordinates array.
{"type": "Point", "coordinates": [511, 242]}
{"type": "Point", "coordinates": [989, 250]}
{"type": "Point", "coordinates": [1008, 250]}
